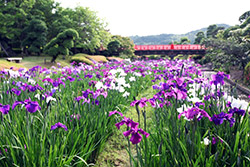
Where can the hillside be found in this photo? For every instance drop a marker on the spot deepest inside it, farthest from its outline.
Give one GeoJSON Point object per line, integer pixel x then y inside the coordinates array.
{"type": "Point", "coordinates": [168, 38]}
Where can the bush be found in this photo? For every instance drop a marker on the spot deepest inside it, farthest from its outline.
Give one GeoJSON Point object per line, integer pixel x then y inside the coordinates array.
{"type": "Point", "coordinates": [81, 59]}
{"type": "Point", "coordinates": [195, 57]}
{"type": "Point", "coordinates": [98, 58]}
{"type": "Point", "coordinates": [204, 60]}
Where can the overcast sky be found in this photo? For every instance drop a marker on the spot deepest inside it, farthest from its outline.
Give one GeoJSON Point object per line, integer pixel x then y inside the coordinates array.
{"type": "Point", "coordinates": [153, 17]}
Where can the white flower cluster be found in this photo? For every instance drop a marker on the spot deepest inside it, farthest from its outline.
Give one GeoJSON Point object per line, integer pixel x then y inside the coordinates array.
{"type": "Point", "coordinates": [118, 81]}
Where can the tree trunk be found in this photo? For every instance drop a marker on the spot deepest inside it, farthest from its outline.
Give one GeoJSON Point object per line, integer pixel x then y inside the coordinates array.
{"type": "Point", "coordinates": [53, 60]}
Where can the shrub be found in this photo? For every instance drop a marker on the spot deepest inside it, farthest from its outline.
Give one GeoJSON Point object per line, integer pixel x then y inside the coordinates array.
{"type": "Point", "coordinates": [98, 58]}
{"type": "Point", "coordinates": [81, 59]}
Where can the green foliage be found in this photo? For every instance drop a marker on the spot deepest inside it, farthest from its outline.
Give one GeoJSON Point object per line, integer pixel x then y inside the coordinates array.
{"type": "Point", "coordinates": [196, 58]}
{"type": "Point", "coordinates": [17, 16]}
{"type": "Point", "coordinates": [199, 37]}
{"type": "Point", "coordinates": [35, 33]}
{"type": "Point", "coordinates": [244, 16]}
{"type": "Point", "coordinates": [121, 46]}
{"type": "Point", "coordinates": [113, 47]}
{"type": "Point", "coordinates": [61, 43]}
{"type": "Point", "coordinates": [227, 32]}
{"type": "Point", "coordinates": [181, 57]}
{"type": "Point", "coordinates": [212, 30]}
{"type": "Point", "coordinates": [184, 40]}
{"type": "Point", "coordinates": [81, 59]}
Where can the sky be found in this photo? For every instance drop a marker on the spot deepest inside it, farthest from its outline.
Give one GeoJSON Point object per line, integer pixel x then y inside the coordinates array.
{"type": "Point", "coordinates": [154, 17]}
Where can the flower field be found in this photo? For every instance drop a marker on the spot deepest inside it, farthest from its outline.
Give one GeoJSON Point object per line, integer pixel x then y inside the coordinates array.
{"type": "Point", "coordinates": [63, 116]}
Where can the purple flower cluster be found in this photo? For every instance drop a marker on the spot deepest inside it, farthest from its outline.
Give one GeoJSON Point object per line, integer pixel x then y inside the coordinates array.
{"type": "Point", "coordinates": [4, 108]}
{"type": "Point", "coordinates": [87, 94]}
{"type": "Point", "coordinates": [191, 113]}
{"type": "Point", "coordinates": [219, 118]}
{"type": "Point", "coordinates": [219, 78]}
{"type": "Point", "coordinates": [31, 106]}
{"type": "Point", "coordinates": [133, 129]}
{"type": "Point", "coordinates": [59, 125]}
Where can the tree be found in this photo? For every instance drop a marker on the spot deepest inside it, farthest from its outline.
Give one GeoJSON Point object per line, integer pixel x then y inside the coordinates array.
{"type": "Point", "coordinates": [225, 53]}
{"type": "Point", "coordinates": [244, 16]}
{"type": "Point", "coordinates": [184, 40]}
{"type": "Point", "coordinates": [13, 18]}
{"type": "Point", "coordinates": [35, 33]}
{"type": "Point", "coordinates": [114, 48]}
{"type": "Point", "coordinates": [212, 30]}
{"type": "Point", "coordinates": [92, 30]}
{"type": "Point", "coordinates": [121, 45]}
{"type": "Point", "coordinates": [199, 37]}
{"type": "Point", "coordinates": [226, 33]}
{"type": "Point", "coordinates": [61, 43]}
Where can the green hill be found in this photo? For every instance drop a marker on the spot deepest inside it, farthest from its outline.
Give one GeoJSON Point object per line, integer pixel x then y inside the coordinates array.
{"type": "Point", "coordinates": [168, 38]}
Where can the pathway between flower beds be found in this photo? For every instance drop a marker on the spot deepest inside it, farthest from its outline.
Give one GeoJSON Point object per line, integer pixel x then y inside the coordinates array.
{"type": "Point", "coordinates": [115, 151]}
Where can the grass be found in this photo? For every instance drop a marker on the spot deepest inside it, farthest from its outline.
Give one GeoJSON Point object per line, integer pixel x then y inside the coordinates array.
{"type": "Point", "coordinates": [44, 61]}
{"type": "Point", "coordinates": [115, 151]}
{"type": "Point", "coordinates": [4, 64]}
{"type": "Point", "coordinates": [31, 61]}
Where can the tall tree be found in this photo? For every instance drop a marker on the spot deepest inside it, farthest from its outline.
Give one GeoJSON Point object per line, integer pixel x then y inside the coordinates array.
{"type": "Point", "coordinates": [212, 30]}
{"type": "Point", "coordinates": [35, 33]}
{"type": "Point", "coordinates": [244, 16]}
{"type": "Point", "coordinates": [61, 44]}
{"type": "Point", "coordinates": [92, 30]}
{"type": "Point", "coordinates": [121, 45]}
{"type": "Point", "coordinates": [199, 37]}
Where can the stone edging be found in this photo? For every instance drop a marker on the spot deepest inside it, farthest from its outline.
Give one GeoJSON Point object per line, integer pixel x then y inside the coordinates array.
{"type": "Point", "coordinates": [244, 90]}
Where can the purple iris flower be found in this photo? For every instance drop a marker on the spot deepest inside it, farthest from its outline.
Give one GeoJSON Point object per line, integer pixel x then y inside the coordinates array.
{"type": "Point", "coordinates": [4, 108]}
{"type": "Point", "coordinates": [55, 83]}
{"type": "Point", "coordinates": [71, 79]}
{"type": "Point", "coordinates": [86, 93]}
{"type": "Point", "coordinates": [215, 140]}
{"type": "Point", "coordinates": [31, 106]}
{"type": "Point", "coordinates": [181, 93]}
{"type": "Point", "coordinates": [59, 125]}
{"type": "Point", "coordinates": [152, 102]}
{"type": "Point", "coordinates": [98, 76]}
{"type": "Point", "coordinates": [135, 135]}
{"type": "Point", "coordinates": [141, 102]}
{"type": "Point", "coordinates": [79, 98]}
{"type": "Point", "coordinates": [218, 119]}
{"type": "Point", "coordinates": [115, 112]}
{"type": "Point", "coordinates": [193, 112]}
{"type": "Point", "coordinates": [48, 80]}
{"type": "Point", "coordinates": [129, 122]}
{"type": "Point", "coordinates": [219, 78]}
{"type": "Point", "coordinates": [34, 88]}
{"type": "Point", "coordinates": [96, 102]}
{"type": "Point", "coordinates": [17, 92]}
{"type": "Point", "coordinates": [206, 98]}
{"type": "Point", "coordinates": [198, 104]}
{"type": "Point", "coordinates": [237, 111]}
{"type": "Point", "coordinates": [229, 104]}
{"type": "Point", "coordinates": [88, 76]}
